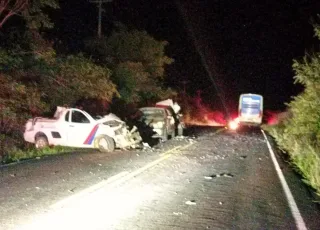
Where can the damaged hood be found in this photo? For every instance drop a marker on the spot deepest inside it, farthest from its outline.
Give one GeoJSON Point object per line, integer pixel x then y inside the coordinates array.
{"type": "Point", "coordinates": [169, 103]}
{"type": "Point", "coordinates": [109, 117]}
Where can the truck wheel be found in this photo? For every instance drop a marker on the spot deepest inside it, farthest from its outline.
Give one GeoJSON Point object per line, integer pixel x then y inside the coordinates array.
{"type": "Point", "coordinates": [173, 133]}
{"type": "Point", "coordinates": [41, 142]}
{"type": "Point", "coordinates": [180, 130]}
{"type": "Point", "coordinates": [105, 144]}
{"type": "Point", "coordinates": [165, 135]}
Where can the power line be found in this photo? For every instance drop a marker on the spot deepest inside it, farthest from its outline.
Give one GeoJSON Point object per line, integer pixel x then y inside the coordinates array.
{"type": "Point", "coordinates": [185, 17]}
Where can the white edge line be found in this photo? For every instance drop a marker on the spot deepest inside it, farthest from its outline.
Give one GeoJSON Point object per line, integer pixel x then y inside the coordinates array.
{"type": "Point", "coordinates": [292, 204]}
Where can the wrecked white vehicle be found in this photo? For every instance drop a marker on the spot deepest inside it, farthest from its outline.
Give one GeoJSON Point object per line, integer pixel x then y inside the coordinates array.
{"type": "Point", "coordinates": [76, 128]}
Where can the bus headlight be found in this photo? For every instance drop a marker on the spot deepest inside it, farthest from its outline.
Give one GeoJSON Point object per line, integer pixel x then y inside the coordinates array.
{"type": "Point", "coordinates": [234, 124]}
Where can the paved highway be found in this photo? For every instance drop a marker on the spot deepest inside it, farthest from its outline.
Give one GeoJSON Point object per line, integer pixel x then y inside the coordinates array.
{"type": "Point", "coordinates": [213, 179]}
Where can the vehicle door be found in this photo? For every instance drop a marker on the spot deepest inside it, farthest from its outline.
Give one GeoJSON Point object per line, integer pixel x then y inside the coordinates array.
{"type": "Point", "coordinates": [80, 131]}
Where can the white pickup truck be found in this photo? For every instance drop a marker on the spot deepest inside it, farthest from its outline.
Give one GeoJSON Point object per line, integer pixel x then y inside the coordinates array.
{"type": "Point", "coordinates": [76, 128]}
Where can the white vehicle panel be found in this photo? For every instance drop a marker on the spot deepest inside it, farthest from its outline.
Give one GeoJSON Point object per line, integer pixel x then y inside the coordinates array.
{"type": "Point", "coordinates": [76, 128]}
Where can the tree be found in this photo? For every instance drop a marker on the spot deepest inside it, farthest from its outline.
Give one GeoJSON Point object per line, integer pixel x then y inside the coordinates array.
{"type": "Point", "coordinates": [299, 135]}
{"type": "Point", "coordinates": [31, 10]}
{"type": "Point", "coordinates": [58, 80]}
{"type": "Point", "coordinates": [305, 108]}
{"type": "Point", "coordinates": [18, 101]}
{"type": "Point", "coordinates": [65, 80]}
{"type": "Point", "coordinates": [76, 77]}
{"type": "Point", "coordinates": [9, 8]}
{"type": "Point", "coordinates": [137, 61]}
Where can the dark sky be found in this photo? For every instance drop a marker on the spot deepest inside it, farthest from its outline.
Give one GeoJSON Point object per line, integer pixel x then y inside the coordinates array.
{"type": "Point", "coordinates": [248, 45]}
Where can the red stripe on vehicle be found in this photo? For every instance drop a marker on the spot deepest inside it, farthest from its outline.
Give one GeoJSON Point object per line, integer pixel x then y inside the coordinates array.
{"type": "Point", "coordinates": [91, 135]}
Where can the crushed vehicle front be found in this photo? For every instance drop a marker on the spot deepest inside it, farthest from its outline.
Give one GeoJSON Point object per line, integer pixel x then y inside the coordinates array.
{"type": "Point", "coordinates": [156, 119]}
{"type": "Point", "coordinates": [124, 138]}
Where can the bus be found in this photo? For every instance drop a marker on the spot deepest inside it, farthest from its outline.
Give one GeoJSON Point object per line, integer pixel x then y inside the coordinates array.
{"type": "Point", "coordinates": [250, 109]}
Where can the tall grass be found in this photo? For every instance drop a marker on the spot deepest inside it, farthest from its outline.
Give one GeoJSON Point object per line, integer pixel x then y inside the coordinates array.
{"type": "Point", "coordinates": [307, 163]}
{"type": "Point", "coordinates": [304, 155]}
{"type": "Point", "coordinates": [16, 154]}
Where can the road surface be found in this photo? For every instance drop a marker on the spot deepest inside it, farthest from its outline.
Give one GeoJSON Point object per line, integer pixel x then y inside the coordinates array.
{"type": "Point", "coordinates": [214, 179]}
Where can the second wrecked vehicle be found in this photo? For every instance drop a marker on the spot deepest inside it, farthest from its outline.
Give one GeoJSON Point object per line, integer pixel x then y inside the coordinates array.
{"type": "Point", "coordinates": [76, 128]}
{"type": "Point", "coordinates": [164, 118]}
{"type": "Point", "coordinates": [160, 120]}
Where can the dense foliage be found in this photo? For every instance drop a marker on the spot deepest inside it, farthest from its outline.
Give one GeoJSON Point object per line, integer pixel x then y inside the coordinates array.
{"type": "Point", "coordinates": [137, 61]}
{"type": "Point", "coordinates": [72, 78]}
{"type": "Point", "coordinates": [300, 134]}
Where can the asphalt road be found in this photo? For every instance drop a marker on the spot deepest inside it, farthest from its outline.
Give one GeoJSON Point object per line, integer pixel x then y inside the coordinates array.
{"type": "Point", "coordinates": [212, 179]}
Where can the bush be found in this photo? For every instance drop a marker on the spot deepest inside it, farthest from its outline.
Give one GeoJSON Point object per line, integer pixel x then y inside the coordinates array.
{"type": "Point", "coordinates": [299, 135]}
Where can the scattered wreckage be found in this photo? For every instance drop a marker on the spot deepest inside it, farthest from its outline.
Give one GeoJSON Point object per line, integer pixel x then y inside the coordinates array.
{"type": "Point", "coordinates": [76, 128]}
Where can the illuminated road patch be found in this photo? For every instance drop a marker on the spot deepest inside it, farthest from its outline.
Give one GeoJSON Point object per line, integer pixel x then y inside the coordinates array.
{"type": "Point", "coordinates": [100, 206]}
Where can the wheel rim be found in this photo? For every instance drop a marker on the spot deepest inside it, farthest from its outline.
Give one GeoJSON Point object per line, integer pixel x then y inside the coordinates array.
{"type": "Point", "coordinates": [103, 143]}
{"type": "Point", "coordinates": [41, 143]}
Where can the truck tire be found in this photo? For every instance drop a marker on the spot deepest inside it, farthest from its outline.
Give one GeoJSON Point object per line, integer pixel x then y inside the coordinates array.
{"type": "Point", "coordinates": [105, 144]}
{"type": "Point", "coordinates": [165, 135]}
{"type": "Point", "coordinates": [41, 142]}
{"type": "Point", "coordinates": [180, 130]}
{"type": "Point", "coordinates": [173, 133]}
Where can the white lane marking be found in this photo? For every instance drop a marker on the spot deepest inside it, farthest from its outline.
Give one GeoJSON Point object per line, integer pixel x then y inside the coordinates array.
{"type": "Point", "coordinates": [292, 204]}
{"type": "Point", "coordinates": [117, 179]}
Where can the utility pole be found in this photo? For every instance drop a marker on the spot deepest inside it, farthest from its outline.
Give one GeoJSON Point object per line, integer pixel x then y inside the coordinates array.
{"type": "Point", "coordinates": [184, 82]}
{"type": "Point", "coordinates": [99, 2]}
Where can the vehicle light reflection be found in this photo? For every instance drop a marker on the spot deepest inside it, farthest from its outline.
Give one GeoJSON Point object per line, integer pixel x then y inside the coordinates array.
{"type": "Point", "coordinates": [234, 124]}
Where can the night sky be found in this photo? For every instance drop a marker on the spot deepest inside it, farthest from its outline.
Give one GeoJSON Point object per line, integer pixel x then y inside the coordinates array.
{"type": "Point", "coordinates": [248, 45]}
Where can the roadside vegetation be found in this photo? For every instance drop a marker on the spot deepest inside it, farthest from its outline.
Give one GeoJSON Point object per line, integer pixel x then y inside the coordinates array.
{"type": "Point", "coordinates": [126, 67]}
{"type": "Point", "coordinates": [299, 134]}
{"type": "Point", "coordinates": [16, 154]}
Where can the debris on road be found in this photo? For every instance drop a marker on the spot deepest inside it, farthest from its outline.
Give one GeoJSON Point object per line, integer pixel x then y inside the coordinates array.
{"type": "Point", "coordinates": [71, 190]}
{"type": "Point", "coordinates": [146, 145]}
{"type": "Point", "coordinates": [219, 175]}
{"type": "Point", "coordinates": [208, 177]}
{"type": "Point", "coordinates": [191, 202]}
{"type": "Point", "coordinates": [177, 213]}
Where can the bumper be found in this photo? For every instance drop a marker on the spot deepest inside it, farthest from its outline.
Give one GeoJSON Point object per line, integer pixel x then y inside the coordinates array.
{"type": "Point", "coordinates": [29, 137]}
